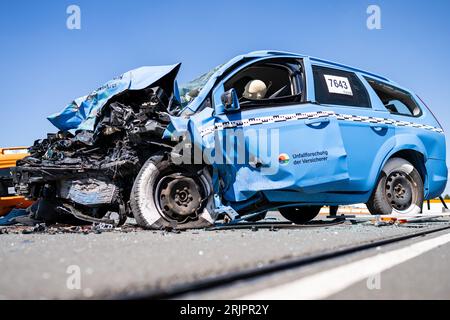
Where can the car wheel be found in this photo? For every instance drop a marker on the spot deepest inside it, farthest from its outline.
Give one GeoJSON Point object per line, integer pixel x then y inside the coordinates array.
{"type": "Point", "coordinates": [300, 215]}
{"type": "Point", "coordinates": [165, 196]}
{"type": "Point", "coordinates": [399, 189]}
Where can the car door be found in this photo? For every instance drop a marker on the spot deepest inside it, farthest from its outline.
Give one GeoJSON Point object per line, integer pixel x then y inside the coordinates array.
{"type": "Point", "coordinates": [282, 143]}
{"type": "Point", "coordinates": [365, 132]}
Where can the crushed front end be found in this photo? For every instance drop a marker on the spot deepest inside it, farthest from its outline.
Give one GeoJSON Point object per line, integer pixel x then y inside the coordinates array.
{"type": "Point", "coordinates": [88, 172]}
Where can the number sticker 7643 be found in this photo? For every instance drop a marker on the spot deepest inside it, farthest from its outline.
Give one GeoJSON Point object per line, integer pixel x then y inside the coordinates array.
{"type": "Point", "coordinates": [339, 85]}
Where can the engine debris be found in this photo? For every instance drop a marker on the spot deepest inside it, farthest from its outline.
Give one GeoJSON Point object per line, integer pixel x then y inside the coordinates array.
{"type": "Point", "coordinates": [89, 174]}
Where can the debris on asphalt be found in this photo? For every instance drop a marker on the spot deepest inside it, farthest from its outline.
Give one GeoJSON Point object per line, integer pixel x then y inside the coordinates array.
{"type": "Point", "coordinates": [12, 216]}
{"type": "Point", "coordinates": [380, 221]}
{"type": "Point", "coordinates": [103, 226]}
{"type": "Point", "coordinates": [273, 225]}
{"type": "Point", "coordinates": [393, 219]}
{"type": "Point", "coordinates": [42, 228]}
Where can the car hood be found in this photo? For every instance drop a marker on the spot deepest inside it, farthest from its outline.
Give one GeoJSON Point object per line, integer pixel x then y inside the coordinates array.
{"type": "Point", "coordinates": [81, 113]}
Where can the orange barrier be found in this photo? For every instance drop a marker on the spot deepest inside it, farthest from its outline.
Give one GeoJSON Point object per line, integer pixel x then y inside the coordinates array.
{"type": "Point", "coordinates": [8, 159]}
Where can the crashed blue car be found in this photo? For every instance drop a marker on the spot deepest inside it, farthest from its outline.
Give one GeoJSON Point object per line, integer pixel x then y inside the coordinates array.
{"type": "Point", "coordinates": [267, 130]}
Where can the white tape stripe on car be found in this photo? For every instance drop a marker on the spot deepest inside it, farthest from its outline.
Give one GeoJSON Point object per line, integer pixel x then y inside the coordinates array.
{"type": "Point", "coordinates": [313, 115]}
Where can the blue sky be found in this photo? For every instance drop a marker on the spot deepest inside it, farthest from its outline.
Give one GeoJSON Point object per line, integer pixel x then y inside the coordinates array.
{"type": "Point", "coordinates": [44, 65]}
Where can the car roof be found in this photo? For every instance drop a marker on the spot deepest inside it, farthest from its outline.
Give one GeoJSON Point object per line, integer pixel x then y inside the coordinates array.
{"type": "Point", "coordinates": [274, 53]}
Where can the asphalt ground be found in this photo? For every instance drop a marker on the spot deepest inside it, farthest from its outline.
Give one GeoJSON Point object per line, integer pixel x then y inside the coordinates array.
{"type": "Point", "coordinates": [119, 264]}
{"type": "Point", "coordinates": [423, 277]}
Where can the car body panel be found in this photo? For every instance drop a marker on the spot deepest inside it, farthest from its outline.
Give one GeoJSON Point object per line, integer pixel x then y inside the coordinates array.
{"type": "Point", "coordinates": [81, 114]}
{"type": "Point", "coordinates": [267, 141]}
{"type": "Point", "coordinates": [297, 153]}
{"type": "Point", "coordinates": [362, 175]}
{"type": "Point", "coordinates": [422, 134]}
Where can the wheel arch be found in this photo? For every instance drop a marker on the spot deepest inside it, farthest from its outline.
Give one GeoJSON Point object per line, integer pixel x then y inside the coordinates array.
{"type": "Point", "coordinates": [406, 146]}
{"type": "Point", "coordinates": [416, 158]}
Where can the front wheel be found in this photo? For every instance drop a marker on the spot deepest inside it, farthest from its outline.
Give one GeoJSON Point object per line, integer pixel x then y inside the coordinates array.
{"type": "Point", "coordinates": [165, 196]}
{"type": "Point", "coordinates": [300, 215]}
{"type": "Point", "coordinates": [399, 189]}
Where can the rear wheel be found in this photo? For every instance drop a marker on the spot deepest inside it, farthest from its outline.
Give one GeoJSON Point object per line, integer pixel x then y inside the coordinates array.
{"type": "Point", "coordinates": [300, 215]}
{"type": "Point", "coordinates": [167, 196]}
{"type": "Point", "coordinates": [399, 189]}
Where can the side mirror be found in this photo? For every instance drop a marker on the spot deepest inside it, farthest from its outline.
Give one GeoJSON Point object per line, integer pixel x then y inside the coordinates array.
{"type": "Point", "coordinates": [230, 100]}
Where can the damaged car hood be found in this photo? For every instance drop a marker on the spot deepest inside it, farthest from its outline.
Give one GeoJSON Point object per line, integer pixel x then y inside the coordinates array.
{"type": "Point", "coordinates": [82, 112]}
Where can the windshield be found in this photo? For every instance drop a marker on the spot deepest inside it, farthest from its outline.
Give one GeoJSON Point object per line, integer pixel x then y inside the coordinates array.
{"type": "Point", "coordinates": [191, 89]}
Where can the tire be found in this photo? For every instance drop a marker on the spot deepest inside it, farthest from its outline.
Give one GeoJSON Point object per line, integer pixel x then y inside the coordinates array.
{"type": "Point", "coordinates": [147, 203]}
{"type": "Point", "coordinates": [300, 215]}
{"type": "Point", "coordinates": [399, 189]}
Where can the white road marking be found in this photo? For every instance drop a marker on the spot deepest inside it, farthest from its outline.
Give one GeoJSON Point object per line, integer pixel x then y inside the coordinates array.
{"type": "Point", "coordinates": [329, 282]}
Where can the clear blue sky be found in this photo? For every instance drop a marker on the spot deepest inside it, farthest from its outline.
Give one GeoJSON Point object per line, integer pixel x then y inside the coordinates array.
{"type": "Point", "coordinates": [44, 65]}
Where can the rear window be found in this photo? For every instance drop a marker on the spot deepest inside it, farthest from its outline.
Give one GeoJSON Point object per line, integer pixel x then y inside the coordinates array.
{"type": "Point", "coordinates": [396, 100]}
{"type": "Point", "coordinates": [339, 87]}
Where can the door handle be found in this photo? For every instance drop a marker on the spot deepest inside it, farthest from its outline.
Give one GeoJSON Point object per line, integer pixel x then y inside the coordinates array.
{"type": "Point", "coordinates": [317, 121]}
{"type": "Point", "coordinates": [379, 125]}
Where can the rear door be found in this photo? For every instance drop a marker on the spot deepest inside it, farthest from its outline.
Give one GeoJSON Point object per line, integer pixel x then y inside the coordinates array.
{"type": "Point", "coordinates": [364, 126]}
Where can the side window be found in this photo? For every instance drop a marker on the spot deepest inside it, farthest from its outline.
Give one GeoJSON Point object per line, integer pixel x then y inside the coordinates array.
{"type": "Point", "coordinates": [396, 100]}
{"type": "Point", "coordinates": [268, 82]}
{"type": "Point", "coordinates": [339, 87]}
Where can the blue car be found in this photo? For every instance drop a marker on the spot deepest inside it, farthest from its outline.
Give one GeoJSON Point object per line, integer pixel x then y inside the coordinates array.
{"type": "Point", "coordinates": [266, 130]}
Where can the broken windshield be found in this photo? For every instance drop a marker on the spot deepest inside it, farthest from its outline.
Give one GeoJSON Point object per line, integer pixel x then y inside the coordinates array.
{"type": "Point", "coordinates": [190, 90]}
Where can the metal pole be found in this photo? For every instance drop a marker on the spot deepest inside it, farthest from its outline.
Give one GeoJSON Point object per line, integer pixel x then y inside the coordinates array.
{"type": "Point", "coordinates": [443, 202]}
{"type": "Point", "coordinates": [333, 211]}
